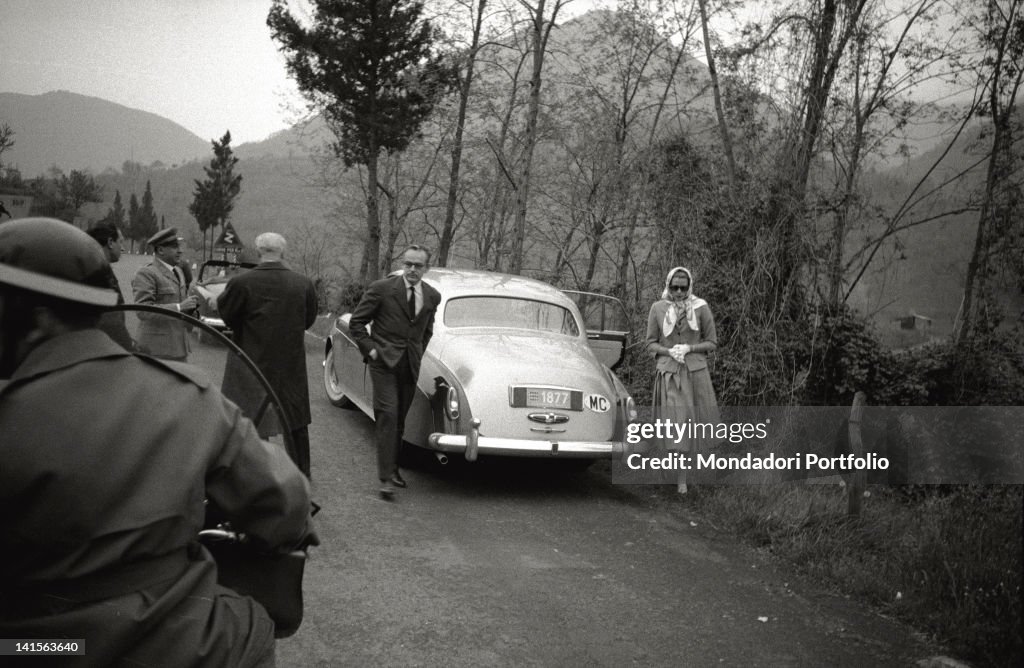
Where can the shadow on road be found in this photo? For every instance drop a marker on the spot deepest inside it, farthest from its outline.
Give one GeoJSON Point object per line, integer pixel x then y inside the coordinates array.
{"type": "Point", "coordinates": [516, 478]}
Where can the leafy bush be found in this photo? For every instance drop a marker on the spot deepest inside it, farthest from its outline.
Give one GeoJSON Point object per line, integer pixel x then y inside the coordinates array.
{"type": "Point", "coordinates": [835, 355]}
{"type": "Point", "coordinates": [345, 296]}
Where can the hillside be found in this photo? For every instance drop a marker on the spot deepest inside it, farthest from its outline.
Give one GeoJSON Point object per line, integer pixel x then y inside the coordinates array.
{"type": "Point", "coordinates": [79, 132]}
{"type": "Point", "coordinates": [935, 253]}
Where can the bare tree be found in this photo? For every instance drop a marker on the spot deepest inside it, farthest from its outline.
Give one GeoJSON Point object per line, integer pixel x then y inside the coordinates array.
{"type": "Point", "coordinates": [1000, 30]}
{"type": "Point", "coordinates": [477, 11]}
{"type": "Point", "coordinates": [541, 25]}
{"type": "Point", "coordinates": [723, 126]}
{"type": "Point", "coordinates": [892, 54]}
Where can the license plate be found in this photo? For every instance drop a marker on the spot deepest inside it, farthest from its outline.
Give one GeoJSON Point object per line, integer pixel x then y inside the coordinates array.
{"type": "Point", "coordinates": [547, 397]}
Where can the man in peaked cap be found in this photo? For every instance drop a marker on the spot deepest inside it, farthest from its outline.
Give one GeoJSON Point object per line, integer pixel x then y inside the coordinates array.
{"type": "Point", "coordinates": [162, 283]}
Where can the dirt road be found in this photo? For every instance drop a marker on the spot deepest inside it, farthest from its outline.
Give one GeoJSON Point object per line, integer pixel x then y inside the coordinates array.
{"type": "Point", "coordinates": [516, 564]}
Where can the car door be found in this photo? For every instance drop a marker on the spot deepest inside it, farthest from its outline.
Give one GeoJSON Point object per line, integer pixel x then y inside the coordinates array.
{"type": "Point", "coordinates": [607, 325]}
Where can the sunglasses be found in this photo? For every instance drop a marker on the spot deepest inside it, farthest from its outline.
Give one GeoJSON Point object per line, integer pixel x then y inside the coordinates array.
{"type": "Point", "coordinates": [413, 265]}
{"type": "Point", "coordinates": [678, 288]}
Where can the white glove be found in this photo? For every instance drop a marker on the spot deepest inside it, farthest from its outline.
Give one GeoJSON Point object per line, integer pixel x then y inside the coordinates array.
{"type": "Point", "coordinates": [678, 352]}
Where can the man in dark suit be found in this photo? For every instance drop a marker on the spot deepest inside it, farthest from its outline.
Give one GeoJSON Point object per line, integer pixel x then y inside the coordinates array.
{"type": "Point", "coordinates": [401, 309]}
{"type": "Point", "coordinates": [269, 309]}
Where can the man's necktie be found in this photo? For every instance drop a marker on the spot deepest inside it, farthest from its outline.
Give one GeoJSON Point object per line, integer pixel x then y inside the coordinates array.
{"type": "Point", "coordinates": [412, 302]}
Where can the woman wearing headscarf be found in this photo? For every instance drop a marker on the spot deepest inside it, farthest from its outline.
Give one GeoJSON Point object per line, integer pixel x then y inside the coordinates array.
{"type": "Point", "coordinates": [680, 334]}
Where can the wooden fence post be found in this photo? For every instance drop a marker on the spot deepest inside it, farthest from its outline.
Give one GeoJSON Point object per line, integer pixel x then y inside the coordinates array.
{"type": "Point", "coordinates": [855, 487]}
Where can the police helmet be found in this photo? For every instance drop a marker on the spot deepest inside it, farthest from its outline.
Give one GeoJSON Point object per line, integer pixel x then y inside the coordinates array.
{"type": "Point", "coordinates": [54, 258]}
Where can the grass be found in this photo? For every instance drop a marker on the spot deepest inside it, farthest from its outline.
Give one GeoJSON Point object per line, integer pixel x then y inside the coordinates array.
{"type": "Point", "coordinates": [946, 560]}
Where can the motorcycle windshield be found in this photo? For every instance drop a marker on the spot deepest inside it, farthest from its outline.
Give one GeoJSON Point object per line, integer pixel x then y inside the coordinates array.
{"type": "Point", "coordinates": [176, 337]}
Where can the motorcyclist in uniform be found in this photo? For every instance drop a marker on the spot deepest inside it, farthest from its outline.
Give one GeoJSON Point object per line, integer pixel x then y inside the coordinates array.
{"type": "Point", "coordinates": [106, 459]}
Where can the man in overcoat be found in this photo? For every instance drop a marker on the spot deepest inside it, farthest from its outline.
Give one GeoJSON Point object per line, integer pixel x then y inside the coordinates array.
{"type": "Point", "coordinates": [402, 310]}
{"type": "Point", "coordinates": [162, 283]}
{"type": "Point", "coordinates": [100, 503]}
{"type": "Point", "coordinates": [268, 309]}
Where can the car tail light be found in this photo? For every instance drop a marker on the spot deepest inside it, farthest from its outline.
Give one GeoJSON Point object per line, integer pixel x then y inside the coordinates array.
{"type": "Point", "coordinates": [451, 404]}
{"type": "Point", "coordinates": [631, 412]}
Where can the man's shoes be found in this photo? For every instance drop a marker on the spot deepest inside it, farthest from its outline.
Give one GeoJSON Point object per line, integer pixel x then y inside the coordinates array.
{"type": "Point", "coordinates": [397, 480]}
{"type": "Point", "coordinates": [387, 490]}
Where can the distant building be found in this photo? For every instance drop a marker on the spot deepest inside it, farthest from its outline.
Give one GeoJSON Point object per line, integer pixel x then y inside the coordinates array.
{"type": "Point", "coordinates": [14, 203]}
{"type": "Point", "coordinates": [913, 321]}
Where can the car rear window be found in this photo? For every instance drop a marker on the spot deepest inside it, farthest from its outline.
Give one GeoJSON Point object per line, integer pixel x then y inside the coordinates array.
{"type": "Point", "coordinates": [510, 313]}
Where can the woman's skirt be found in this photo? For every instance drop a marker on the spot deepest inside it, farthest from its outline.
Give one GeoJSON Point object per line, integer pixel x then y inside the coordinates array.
{"type": "Point", "coordinates": [686, 398]}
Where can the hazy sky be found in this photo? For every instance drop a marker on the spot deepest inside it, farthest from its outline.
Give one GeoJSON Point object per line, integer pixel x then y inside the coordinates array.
{"type": "Point", "coordinates": [208, 65]}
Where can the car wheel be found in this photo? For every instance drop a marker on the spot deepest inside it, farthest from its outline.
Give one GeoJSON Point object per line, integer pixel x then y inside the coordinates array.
{"type": "Point", "coordinates": [334, 393]}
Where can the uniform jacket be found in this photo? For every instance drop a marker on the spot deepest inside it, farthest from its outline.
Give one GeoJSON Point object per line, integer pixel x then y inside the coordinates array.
{"type": "Point", "coordinates": [160, 336]}
{"type": "Point", "coordinates": [101, 502]}
{"type": "Point", "coordinates": [681, 334]}
{"type": "Point", "coordinates": [385, 304]}
{"type": "Point", "coordinates": [268, 309]}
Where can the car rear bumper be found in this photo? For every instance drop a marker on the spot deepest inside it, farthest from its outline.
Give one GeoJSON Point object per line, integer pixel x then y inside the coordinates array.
{"type": "Point", "coordinates": [520, 447]}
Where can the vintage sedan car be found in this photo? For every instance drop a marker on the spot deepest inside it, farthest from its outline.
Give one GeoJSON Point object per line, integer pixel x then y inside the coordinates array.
{"type": "Point", "coordinates": [511, 370]}
{"type": "Point", "coordinates": [213, 278]}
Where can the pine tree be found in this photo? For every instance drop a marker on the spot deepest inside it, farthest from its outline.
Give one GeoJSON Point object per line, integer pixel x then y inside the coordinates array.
{"type": "Point", "coordinates": [370, 67]}
{"type": "Point", "coordinates": [115, 214]}
{"type": "Point", "coordinates": [134, 232]}
{"type": "Point", "coordinates": [214, 198]}
{"type": "Point", "coordinates": [147, 216]}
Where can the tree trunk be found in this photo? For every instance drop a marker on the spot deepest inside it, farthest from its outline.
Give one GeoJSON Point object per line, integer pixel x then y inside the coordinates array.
{"type": "Point", "coordinates": [1001, 199]}
{"type": "Point", "coordinates": [448, 226]}
{"type": "Point", "coordinates": [372, 265]}
{"type": "Point", "coordinates": [539, 39]}
{"type": "Point", "coordinates": [976, 283]}
{"type": "Point", "coordinates": [625, 259]}
{"type": "Point", "coordinates": [787, 206]}
{"type": "Point", "coordinates": [600, 227]}
{"type": "Point", "coordinates": [719, 109]}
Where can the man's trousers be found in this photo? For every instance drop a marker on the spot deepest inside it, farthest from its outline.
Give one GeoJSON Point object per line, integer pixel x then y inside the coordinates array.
{"type": "Point", "coordinates": [393, 391]}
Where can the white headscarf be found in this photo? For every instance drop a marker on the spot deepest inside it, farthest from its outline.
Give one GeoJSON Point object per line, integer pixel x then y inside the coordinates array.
{"type": "Point", "coordinates": [689, 305]}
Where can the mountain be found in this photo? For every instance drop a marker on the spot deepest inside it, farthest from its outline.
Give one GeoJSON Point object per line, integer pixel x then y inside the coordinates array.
{"type": "Point", "coordinates": [295, 141]}
{"type": "Point", "coordinates": [75, 131]}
